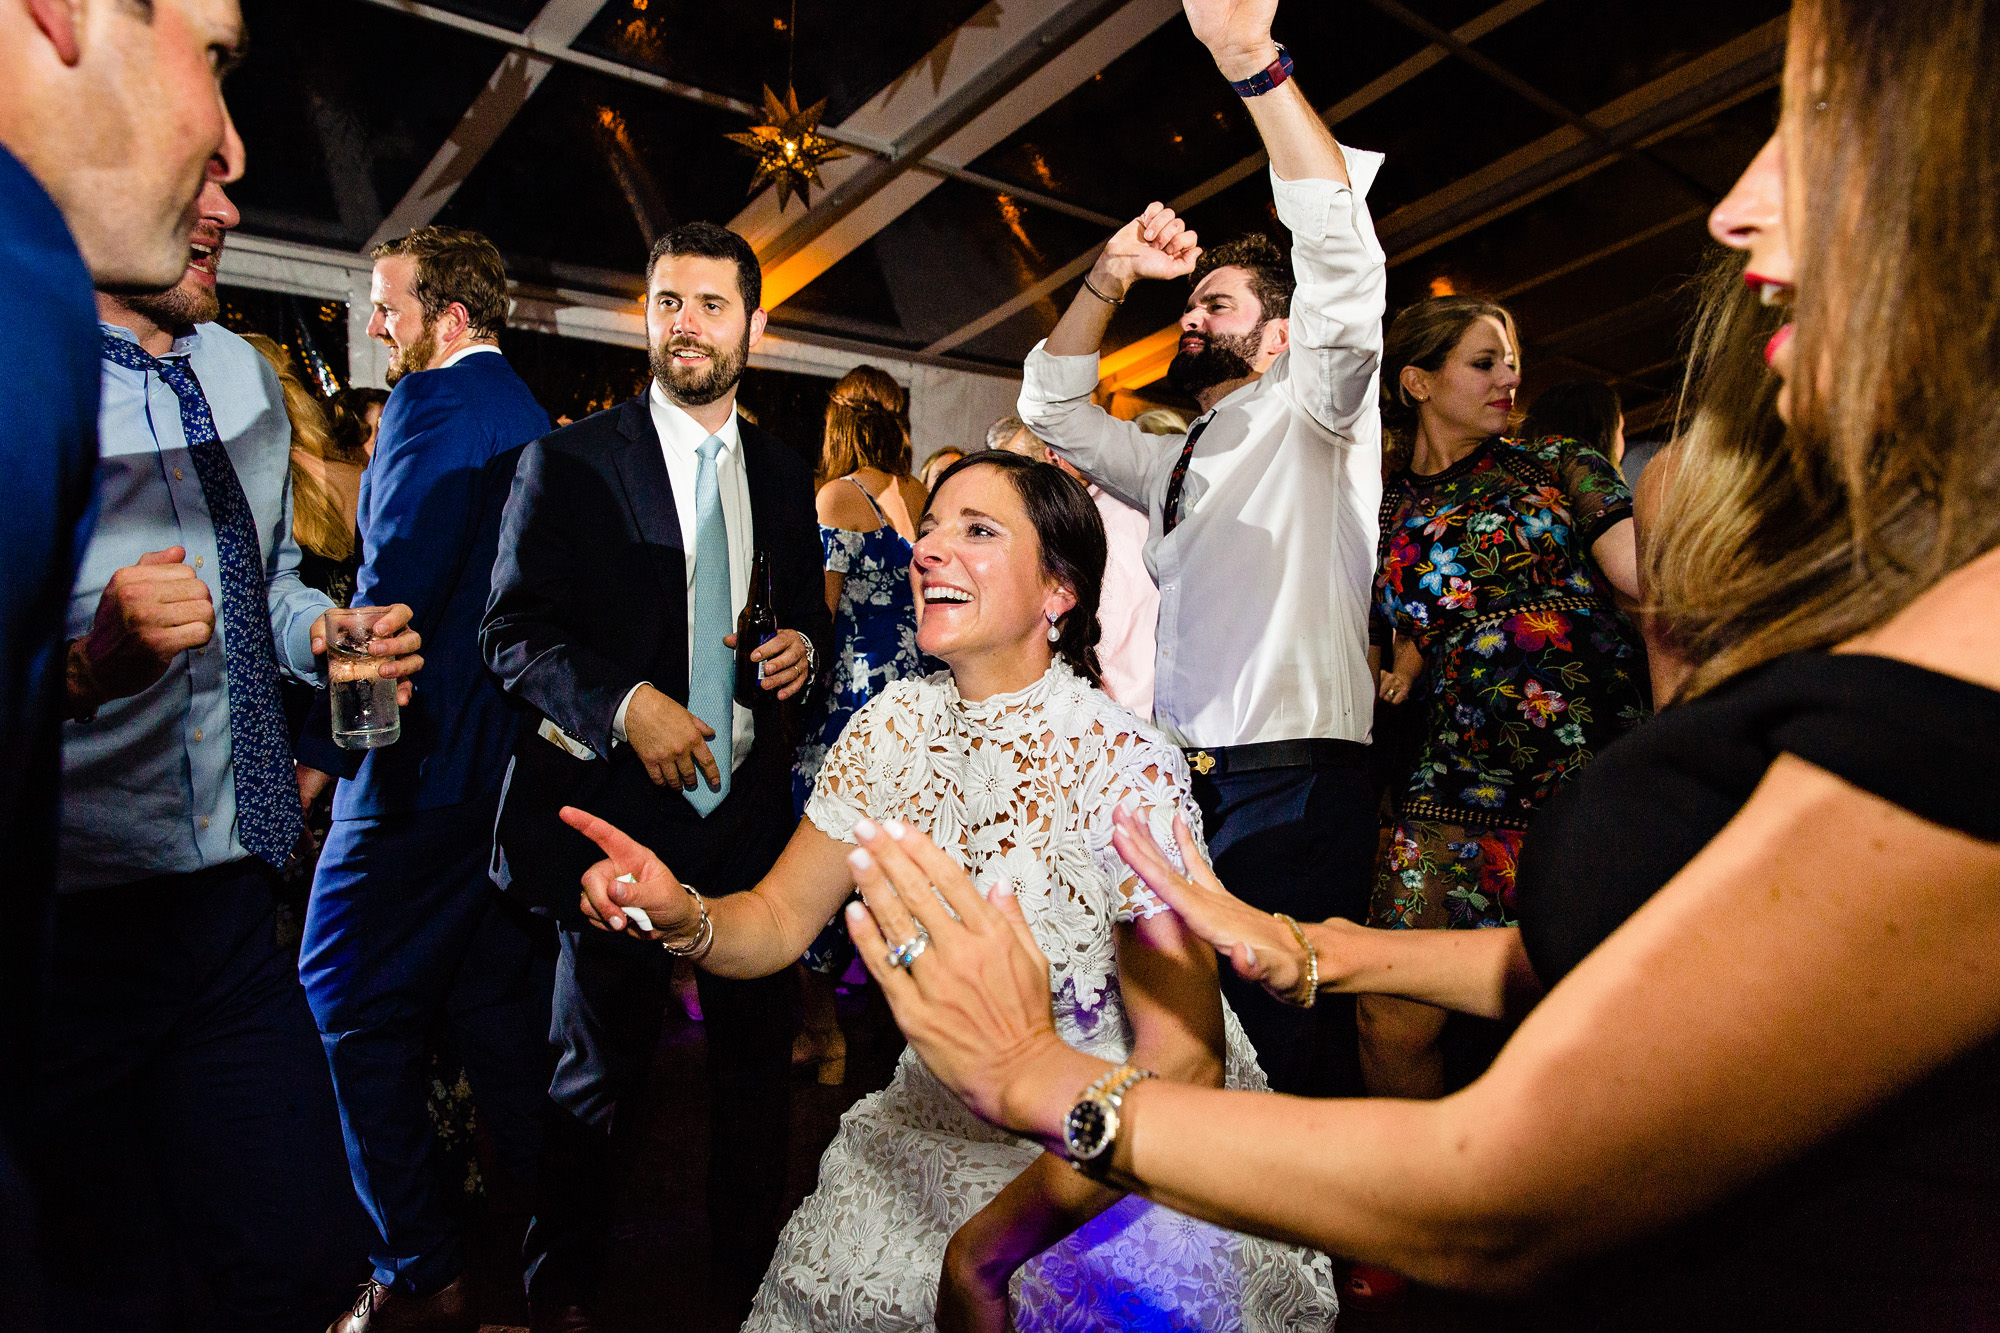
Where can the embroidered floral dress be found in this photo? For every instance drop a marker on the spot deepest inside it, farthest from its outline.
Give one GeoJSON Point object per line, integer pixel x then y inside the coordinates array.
{"type": "Point", "coordinates": [1532, 669]}
{"type": "Point", "coordinates": [1019, 787]}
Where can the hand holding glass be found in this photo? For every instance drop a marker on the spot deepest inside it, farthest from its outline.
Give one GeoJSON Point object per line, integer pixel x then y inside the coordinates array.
{"type": "Point", "coordinates": [365, 713]}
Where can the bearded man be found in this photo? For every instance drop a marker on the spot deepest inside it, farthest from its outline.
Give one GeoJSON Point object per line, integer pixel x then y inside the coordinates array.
{"type": "Point", "coordinates": [188, 1145]}
{"type": "Point", "coordinates": [404, 929]}
{"type": "Point", "coordinates": [625, 559]}
{"type": "Point", "coordinates": [1263, 520]}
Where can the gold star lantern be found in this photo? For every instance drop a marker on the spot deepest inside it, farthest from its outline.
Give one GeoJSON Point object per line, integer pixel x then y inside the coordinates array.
{"type": "Point", "coordinates": [788, 147]}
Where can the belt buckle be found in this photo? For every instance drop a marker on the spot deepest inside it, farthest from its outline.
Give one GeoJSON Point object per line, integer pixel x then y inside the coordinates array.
{"type": "Point", "coordinates": [1202, 762]}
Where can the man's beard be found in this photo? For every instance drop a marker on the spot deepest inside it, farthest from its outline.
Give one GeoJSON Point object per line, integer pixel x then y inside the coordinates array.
{"type": "Point", "coordinates": [180, 307]}
{"type": "Point", "coordinates": [411, 357]}
{"type": "Point", "coordinates": [698, 386]}
{"type": "Point", "coordinates": [1223, 357]}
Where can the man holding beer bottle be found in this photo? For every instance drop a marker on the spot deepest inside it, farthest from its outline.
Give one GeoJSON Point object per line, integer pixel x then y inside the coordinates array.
{"type": "Point", "coordinates": [625, 559]}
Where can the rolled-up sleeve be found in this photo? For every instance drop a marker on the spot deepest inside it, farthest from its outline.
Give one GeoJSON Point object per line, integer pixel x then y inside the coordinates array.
{"type": "Point", "coordinates": [1056, 403]}
{"type": "Point", "coordinates": [1335, 360]}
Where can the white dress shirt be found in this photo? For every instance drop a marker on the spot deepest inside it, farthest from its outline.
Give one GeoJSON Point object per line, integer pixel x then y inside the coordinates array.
{"type": "Point", "coordinates": [1264, 584]}
{"type": "Point", "coordinates": [681, 438]}
{"type": "Point", "coordinates": [466, 351]}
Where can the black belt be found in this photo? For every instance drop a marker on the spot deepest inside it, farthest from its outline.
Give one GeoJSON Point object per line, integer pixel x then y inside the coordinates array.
{"type": "Point", "coordinates": [1216, 760]}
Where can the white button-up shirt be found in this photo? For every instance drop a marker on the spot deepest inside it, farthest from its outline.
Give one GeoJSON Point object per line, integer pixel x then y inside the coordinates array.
{"type": "Point", "coordinates": [1264, 583]}
{"type": "Point", "coordinates": [681, 438]}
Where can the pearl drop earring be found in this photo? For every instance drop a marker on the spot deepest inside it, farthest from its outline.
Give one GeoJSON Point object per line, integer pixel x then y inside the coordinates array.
{"type": "Point", "coordinates": [1055, 635]}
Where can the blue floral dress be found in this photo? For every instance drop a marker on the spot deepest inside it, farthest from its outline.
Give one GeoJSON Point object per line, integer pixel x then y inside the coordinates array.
{"type": "Point", "coordinates": [874, 633]}
{"type": "Point", "coordinates": [1532, 669]}
{"type": "Point", "coordinates": [875, 643]}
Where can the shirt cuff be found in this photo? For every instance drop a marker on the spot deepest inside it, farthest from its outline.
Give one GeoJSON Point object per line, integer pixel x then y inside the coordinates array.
{"type": "Point", "coordinates": [1047, 378]}
{"type": "Point", "coordinates": [618, 718]}
{"type": "Point", "coordinates": [1304, 205]}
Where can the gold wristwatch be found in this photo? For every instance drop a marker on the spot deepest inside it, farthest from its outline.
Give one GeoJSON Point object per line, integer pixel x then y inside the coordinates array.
{"type": "Point", "coordinates": [1091, 1127]}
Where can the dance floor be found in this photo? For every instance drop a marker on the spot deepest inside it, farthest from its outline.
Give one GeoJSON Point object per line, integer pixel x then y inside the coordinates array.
{"type": "Point", "coordinates": [658, 1280]}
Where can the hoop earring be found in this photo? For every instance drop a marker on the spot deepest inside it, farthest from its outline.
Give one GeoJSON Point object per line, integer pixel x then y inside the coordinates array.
{"type": "Point", "coordinates": [1055, 635]}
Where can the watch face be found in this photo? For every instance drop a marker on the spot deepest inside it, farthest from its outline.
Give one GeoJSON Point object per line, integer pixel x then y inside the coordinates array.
{"type": "Point", "coordinates": [1087, 1128]}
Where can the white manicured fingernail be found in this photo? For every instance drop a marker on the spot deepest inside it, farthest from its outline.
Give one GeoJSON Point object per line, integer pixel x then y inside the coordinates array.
{"type": "Point", "coordinates": [865, 828]}
{"type": "Point", "coordinates": [855, 912]}
{"type": "Point", "coordinates": [1250, 954]}
{"type": "Point", "coordinates": [895, 828]}
{"type": "Point", "coordinates": [1004, 889]}
{"type": "Point", "coordinates": [860, 859]}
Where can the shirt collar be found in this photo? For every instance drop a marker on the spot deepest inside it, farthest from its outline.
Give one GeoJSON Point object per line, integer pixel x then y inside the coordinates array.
{"type": "Point", "coordinates": [464, 352]}
{"type": "Point", "coordinates": [183, 345]}
{"type": "Point", "coordinates": [681, 432]}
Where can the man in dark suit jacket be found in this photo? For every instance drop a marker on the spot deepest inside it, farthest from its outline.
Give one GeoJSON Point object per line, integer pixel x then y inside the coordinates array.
{"type": "Point", "coordinates": [405, 927]}
{"type": "Point", "coordinates": [608, 620]}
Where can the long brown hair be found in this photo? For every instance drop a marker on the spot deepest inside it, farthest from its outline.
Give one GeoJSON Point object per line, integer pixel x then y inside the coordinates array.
{"type": "Point", "coordinates": [319, 521]}
{"type": "Point", "coordinates": [1889, 475]}
{"type": "Point", "coordinates": [867, 425]}
{"type": "Point", "coordinates": [1423, 336]}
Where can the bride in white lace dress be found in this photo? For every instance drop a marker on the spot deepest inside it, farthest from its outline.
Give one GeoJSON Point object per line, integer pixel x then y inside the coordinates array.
{"type": "Point", "coordinates": [925, 1216]}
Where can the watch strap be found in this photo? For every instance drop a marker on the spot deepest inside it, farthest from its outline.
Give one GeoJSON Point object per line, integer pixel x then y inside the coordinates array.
{"type": "Point", "coordinates": [1267, 78]}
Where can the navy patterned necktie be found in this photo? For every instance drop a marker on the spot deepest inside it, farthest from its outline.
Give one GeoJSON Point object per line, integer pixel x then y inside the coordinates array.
{"type": "Point", "coordinates": [1170, 519]}
{"type": "Point", "coordinates": [268, 823]}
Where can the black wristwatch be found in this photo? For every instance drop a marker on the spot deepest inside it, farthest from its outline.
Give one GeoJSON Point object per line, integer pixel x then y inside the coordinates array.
{"type": "Point", "coordinates": [1091, 1127]}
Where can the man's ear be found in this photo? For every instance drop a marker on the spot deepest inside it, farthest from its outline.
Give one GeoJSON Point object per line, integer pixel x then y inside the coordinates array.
{"type": "Point", "coordinates": [758, 319]}
{"type": "Point", "coordinates": [453, 323]}
{"type": "Point", "coordinates": [61, 21]}
{"type": "Point", "coordinates": [1277, 336]}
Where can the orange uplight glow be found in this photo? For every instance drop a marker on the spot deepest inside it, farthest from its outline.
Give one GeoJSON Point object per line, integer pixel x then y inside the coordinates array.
{"type": "Point", "coordinates": [1443, 286]}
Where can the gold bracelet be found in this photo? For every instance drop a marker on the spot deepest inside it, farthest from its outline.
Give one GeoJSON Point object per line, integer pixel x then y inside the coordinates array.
{"type": "Point", "coordinates": [1310, 991]}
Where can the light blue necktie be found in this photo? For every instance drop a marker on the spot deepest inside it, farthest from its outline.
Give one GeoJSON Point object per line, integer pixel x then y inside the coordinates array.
{"type": "Point", "coordinates": [712, 670]}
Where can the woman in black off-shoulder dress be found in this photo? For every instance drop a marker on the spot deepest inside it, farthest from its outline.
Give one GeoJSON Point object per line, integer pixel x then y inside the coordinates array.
{"type": "Point", "coordinates": [1758, 1081]}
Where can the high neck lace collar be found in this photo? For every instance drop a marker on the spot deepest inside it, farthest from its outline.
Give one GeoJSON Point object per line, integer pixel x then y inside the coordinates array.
{"type": "Point", "coordinates": [1004, 710]}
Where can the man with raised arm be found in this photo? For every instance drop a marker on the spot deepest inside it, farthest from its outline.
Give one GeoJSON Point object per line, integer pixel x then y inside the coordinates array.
{"type": "Point", "coordinates": [1263, 515]}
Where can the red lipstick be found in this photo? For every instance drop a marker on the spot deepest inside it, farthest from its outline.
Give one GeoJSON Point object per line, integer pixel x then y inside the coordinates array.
{"type": "Point", "coordinates": [1777, 343]}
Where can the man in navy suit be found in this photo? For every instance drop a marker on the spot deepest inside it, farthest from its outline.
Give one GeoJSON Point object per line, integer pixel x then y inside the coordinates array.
{"type": "Point", "coordinates": [404, 926]}
{"type": "Point", "coordinates": [625, 556]}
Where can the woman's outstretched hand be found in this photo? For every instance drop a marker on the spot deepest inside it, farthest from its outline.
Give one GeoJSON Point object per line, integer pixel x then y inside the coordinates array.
{"type": "Point", "coordinates": [651, 887]}
{"type": "Point", "coordinates": [1259, 946]}
{"type": "Point", "coordinates": [975, 1003]}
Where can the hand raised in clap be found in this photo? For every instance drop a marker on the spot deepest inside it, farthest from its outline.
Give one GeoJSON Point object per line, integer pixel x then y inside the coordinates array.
{"type": "Point", "coordinates": [652, 887]}
{"type": "Point", "coordinates": [976, 1002]}
{"type": "Point", "coordinates": [1236, 32]}
{"type": "Point", "coordinates": [1259, 946]}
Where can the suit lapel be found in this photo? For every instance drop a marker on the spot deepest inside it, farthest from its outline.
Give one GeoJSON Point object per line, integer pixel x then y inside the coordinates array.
{"type": "Point", "coordinates": [642, 471]}
{"type": "Point", "coordinates": [765, 519]}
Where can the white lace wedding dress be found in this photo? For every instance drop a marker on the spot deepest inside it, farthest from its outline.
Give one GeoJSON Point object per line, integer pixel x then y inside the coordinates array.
{"type": "Point", "coordinates": [1021, 787]}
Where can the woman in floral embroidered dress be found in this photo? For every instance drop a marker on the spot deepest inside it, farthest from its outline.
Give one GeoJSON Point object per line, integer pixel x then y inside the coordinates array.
{"type": "Point", "coordinates": [1013, 762]}
{"type": "Point", "coordinates": [1499, 559]}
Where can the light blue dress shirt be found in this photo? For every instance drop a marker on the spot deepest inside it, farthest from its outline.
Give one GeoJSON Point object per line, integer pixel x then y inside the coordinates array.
{"type": "Point", "coordinates": [147, 786]}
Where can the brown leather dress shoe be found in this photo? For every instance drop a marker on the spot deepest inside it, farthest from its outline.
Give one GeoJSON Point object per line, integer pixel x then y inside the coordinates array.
{"type": "Point", "coordinates": [560, 1319]}
{"type": "Point", "coordinates": [380, 1309]}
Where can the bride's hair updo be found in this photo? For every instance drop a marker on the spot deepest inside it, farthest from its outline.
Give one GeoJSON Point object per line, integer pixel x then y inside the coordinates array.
{"type": "Point", "coordinates": [1071, 535]}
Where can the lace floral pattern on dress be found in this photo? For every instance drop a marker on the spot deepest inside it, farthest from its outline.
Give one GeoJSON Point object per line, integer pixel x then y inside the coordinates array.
{"type": "Point", "coordinates": [1021, 788]}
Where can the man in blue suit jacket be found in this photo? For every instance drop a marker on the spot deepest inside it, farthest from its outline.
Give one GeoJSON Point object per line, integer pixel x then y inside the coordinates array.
{"type": "Point", "coordinates": [404, 926]}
